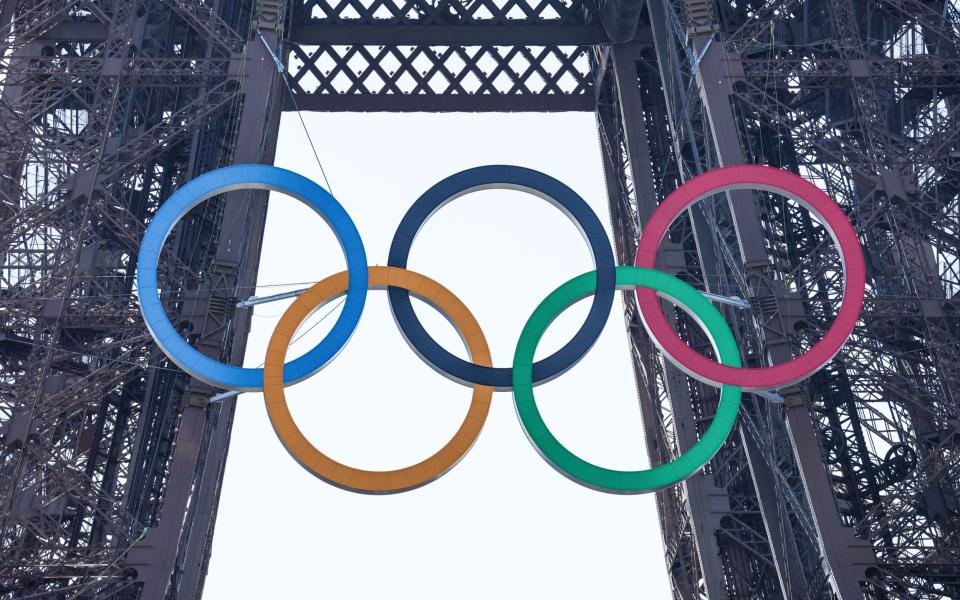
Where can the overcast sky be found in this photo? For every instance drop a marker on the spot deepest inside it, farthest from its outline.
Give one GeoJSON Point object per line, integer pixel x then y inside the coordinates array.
{"type": "Point", "coordinates": [502, 522]}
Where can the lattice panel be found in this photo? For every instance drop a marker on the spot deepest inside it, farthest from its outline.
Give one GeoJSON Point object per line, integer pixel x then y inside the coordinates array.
{"type": "Point", "coordinates": [329, 77]}
{"type": "Point", "coordinates": [443, 12]}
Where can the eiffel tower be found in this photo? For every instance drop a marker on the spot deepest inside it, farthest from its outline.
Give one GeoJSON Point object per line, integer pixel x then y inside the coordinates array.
{"type": "Point", "coordinates": [844, 486]}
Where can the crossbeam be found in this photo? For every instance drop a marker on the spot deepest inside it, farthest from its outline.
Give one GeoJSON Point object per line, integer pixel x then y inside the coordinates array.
{"type": "Point", "coordinates": [418, 57]}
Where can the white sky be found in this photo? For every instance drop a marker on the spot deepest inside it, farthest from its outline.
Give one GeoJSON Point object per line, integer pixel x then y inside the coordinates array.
{"type": "Point", "coordinates": [502, 522]}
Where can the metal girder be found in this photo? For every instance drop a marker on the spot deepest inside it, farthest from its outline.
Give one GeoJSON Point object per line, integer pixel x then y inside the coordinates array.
{"type": "Point", "coordinates": [441, 78]}
{"type": "Point", "coordinates": [111, 459]}
{"type": "Point", "coordinates": [104, 111]}
{"type": "Point", "coordinates": [399, 34]}
{"type": "Point", "coordinates": [856, 500]}
{"type": "Point", "coordinates": [450, 56]}
{"type": "Point", "coordinates": [883, 143]}
{"type": "Point", "coordinates": [714, 532]}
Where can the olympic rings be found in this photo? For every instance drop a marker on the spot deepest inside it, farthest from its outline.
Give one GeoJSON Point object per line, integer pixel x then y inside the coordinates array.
{"type": "Point", "coordinates": [239, 177]}
{"type": "Point", "coordinates": [727, 374]}
{"type": "Point", "coordinates": [525, 180]}
{"type": "Point", "coordinates": [574, 467]}
{"type": "Point", "coordinates": [359, 480]}
{"type": "Point", "coordinates": [798, 189]}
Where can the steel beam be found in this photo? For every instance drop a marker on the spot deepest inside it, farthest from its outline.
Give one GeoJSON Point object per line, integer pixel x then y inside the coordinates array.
{"type": "Point", "coordinates": [111, 459]}
{"type": "Point", "coordinates": [477, 34]}
{"type": "Point", "coordinates": [172, 559]}
{"type": "Point", "coordinates": [444, 103]}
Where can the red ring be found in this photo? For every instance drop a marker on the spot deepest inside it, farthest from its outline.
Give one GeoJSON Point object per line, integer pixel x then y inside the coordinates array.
{"type": "Point", "coordinates": [780, 182]}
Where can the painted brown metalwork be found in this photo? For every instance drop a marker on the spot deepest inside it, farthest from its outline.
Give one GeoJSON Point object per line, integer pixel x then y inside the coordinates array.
{"type": "Point", "coordinates": [846, 485]}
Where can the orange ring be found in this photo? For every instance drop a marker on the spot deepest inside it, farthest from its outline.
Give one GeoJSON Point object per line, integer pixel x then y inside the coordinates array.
{"type": "Point", "coordinates": [321, 465]}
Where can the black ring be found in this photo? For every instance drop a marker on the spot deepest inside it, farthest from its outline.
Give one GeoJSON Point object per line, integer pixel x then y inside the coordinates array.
{"type": "Point", "coordinates": [525, 180]}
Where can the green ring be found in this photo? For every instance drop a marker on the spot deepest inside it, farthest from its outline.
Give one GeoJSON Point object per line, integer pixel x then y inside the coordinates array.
{"type": "Point", "coordinates": [574, 467]}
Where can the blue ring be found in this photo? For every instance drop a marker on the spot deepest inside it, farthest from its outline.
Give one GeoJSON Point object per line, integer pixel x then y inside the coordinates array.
{"type": "Point", "coordinates": [538, 184]}
{"type": "Point", "coordinates": [242, 177]}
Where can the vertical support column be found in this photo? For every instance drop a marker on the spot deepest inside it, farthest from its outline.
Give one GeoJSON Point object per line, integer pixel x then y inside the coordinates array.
{"type": "Point", "coordinates": [846, 557]}
{"type": "Point", "coordinates": [782, 546]}
{"type": "Point", "coordinates": [260, 120]}
{"type": "Point", "coordinates": [176, 552]}
{"type": "Point", "coordinates": [707, 503]}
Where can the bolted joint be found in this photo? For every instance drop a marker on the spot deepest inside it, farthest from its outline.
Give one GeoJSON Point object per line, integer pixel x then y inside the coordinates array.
{"type": "Point", "coordinates": [269, 14]}
{"type": "Point", "coordinates": [793, 397]}
{"type": "Point", "coordinates": [620, 19]}
{"type": "Point", "coordinates": [700, 16]}
{"type": "Point", "coordinates": [15, 431]}
{"type": "Point", "coordinates": [781, 313]}
{"type": "Point", "coordinates": [200, 303]}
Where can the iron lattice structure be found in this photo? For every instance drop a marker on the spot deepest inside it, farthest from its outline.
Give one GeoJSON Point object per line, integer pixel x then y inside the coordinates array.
{"type": "Point", "coordinates": [843, 486]}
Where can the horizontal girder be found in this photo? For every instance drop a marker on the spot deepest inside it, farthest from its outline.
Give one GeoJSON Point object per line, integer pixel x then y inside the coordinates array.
{"type": "Point", "coordinates": [415, 56]}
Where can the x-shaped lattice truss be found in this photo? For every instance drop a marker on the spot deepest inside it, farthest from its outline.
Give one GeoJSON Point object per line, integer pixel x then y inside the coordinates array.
{"type": "Point", "coordinates": [489, 55]}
